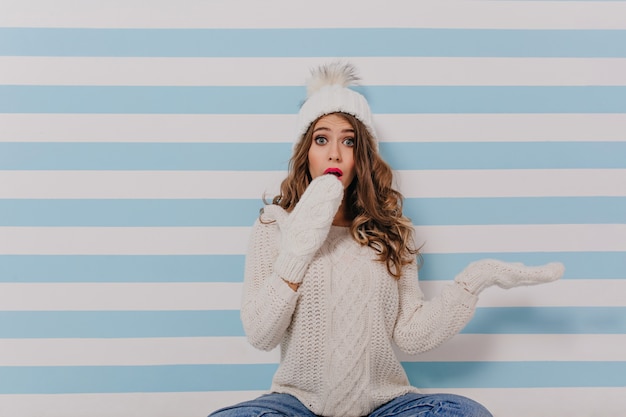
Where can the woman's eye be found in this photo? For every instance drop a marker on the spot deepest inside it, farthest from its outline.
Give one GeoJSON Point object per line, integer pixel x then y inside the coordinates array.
{"type": "Point", "coordinates": [348, 142]}
{"type": "Point", "coordinates": [321, 140]}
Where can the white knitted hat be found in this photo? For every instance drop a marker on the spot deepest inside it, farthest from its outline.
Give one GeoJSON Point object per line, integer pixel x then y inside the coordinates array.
{"type": "Point", "coordinates": [328, 92]}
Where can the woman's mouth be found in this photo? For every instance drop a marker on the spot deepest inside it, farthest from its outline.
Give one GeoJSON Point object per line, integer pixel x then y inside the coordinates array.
{"type": "Point", "coordinates": [334, 171]}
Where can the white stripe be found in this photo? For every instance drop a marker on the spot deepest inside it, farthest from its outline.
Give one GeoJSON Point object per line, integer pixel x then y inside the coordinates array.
{"type": "Point", "coordinates": [124, 240]}
{"type": "Point", "coordinates": [120, 296]}
{"type": "Point", "coordinates": [283, 13]}
{"type": "Point", "coordinates": [525, 347]}
{"type": "Point", "coordinates": [520, 238]}
{"type": "Point", "coordinates": [292, 71]}
{"type": "Point", "coordinates": [562, 293]}
{"type": "Point", "coordinates": [513, 183]}
{"type": "Point", "coordinates": [504, 402]}
{"type": "Point", "coordinates": [227, 296]}
{"type": "Point", "coordinates": [501, 127]}
{"type": "Point", "coordinates": [133, 352]}
{"type": "Point", "coordinates": [176, 128]}
{"type": "Point", "coordinates": [140, 184]}
{"type": "Point", "coordinates": [257, 184]}
{"type": "Point", "coordinates": [237, 350]}
{"type": "Point", "coordinates": [165, 404]}
{"type": "Point", "coordinates": [233, 240]}
{"type": "Point", "coordinates": [546, 402]}
{"type": "Point", "coordinates": [263, 128]}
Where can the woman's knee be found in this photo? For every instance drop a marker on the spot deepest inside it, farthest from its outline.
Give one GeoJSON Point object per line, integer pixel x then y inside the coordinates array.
{"type": "Point", "coordinates": [457, 405]}
{"type": "Point", "coordinates": [430, 405]}
{"type": "Point", "coordinates": [273, 404]}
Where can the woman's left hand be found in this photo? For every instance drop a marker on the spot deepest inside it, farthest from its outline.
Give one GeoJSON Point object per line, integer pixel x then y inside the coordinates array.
{"type": "Point", "coordinates": [487, 272]}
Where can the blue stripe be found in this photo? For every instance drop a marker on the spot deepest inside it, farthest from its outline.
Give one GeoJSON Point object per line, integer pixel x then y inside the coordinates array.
{"type": "Point", "coordinates": [578, 265]}
{"type": "Point", "coordinates": [121, 268]}
{"type": "Point", "coordinates": [220, 213]}
{"type": "Point", "coordinates": [525, 374]}
{"type": "Point", "coordinates": [341, 42]}
{"type": "Point", "coordinates": [145, 156]}
{"type": "Point", "coordinates": [258, 377]}
{"type": "Point", "coordinates": [519, 210]}
{"type": "Point", "coordinates": [504, 155]}
{"type": "Point", "coordinates": [129, 213]}
{"type": "Point", "coordinates": [123, 324]}
{"type": "Point", "coordinates": [287, 99]}
{"type": "Point", "coordinates": [548, 320]}
{"type": "Point", "coordinates": [230, 268]}
{"type": "Point", "coordinates": [275, 156]}
{"type": "Point", "coordinates": [155, 100]}
{"type": "Point", "coordinates": [111, 379]}
{"type": "Point", "coordinates": [119, 324]}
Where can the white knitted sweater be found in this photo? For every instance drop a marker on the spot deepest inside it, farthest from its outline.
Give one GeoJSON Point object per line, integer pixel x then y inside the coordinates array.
{"type": "Point", "coordinates": [337, 331]}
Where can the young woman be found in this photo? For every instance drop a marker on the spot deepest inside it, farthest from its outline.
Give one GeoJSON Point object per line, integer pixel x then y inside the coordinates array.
{"type": "Point", "coordinates": [331, 276]}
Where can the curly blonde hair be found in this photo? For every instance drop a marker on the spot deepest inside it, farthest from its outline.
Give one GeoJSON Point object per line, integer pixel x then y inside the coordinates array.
{"type": "Point", "coordinates": [373, 204]}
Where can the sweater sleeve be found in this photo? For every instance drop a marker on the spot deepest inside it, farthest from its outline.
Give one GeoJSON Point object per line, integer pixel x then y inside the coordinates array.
{"type": "Point", "coordinates": [422, 325]}
{"type": "Point", "coordinates": [268, 303]}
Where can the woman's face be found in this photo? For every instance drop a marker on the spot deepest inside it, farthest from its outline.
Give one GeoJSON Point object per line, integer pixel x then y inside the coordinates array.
{"type": "Point", "coordinates": [332, 149]}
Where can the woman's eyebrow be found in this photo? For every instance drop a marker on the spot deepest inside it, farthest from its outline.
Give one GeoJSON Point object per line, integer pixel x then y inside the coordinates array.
{"type": "Point", "coordinates": [328, 129]}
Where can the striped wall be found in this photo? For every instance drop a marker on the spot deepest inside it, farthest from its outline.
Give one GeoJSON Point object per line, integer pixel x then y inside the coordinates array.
{"type": "Point", "coordinates": [137, 139]}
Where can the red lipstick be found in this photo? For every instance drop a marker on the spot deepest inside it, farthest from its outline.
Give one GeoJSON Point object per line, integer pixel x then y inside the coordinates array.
{"type": "Point", "coordinates": [334, 171]}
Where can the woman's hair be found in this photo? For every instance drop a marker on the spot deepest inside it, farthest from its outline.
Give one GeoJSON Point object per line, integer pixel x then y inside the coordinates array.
{"type": "Point", "coordinates": [374, 206]}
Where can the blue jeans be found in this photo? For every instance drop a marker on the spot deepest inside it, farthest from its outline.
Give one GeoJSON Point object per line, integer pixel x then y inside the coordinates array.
{"type": "Point", "coordinates": [409, 405]}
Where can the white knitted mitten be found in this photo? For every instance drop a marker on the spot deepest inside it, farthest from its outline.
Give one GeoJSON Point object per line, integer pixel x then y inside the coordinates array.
{"type": "Point", "coordinates": [487, 272]}
{"type": "Point", "coordinates": [305, 229]}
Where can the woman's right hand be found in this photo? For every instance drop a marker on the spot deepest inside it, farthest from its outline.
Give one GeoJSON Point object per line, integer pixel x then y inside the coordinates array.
{"type": "Point", "coordinates": [304, 230]}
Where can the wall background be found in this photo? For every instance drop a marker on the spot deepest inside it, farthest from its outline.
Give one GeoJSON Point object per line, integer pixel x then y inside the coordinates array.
{"type": "Point", "coordinates": [137, 138]}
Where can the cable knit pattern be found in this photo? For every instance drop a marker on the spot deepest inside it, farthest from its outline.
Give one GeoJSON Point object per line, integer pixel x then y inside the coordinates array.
{"type": "Point", "coordinates": [338, 330]}
{"type": "Point", "coordinates": [350, 296]}
{"type": "Point", "coordinates": [487, 272]}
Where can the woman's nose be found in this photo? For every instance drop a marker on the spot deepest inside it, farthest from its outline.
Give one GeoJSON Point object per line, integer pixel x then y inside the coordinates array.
{"type": "Point", "coordinates": [334, 154]}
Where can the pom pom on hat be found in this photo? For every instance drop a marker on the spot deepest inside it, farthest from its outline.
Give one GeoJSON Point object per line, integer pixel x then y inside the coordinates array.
{"type": "Point", "coordinates": [336, 73]}
{"type": "Point", "coordinates": [328, 92]}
